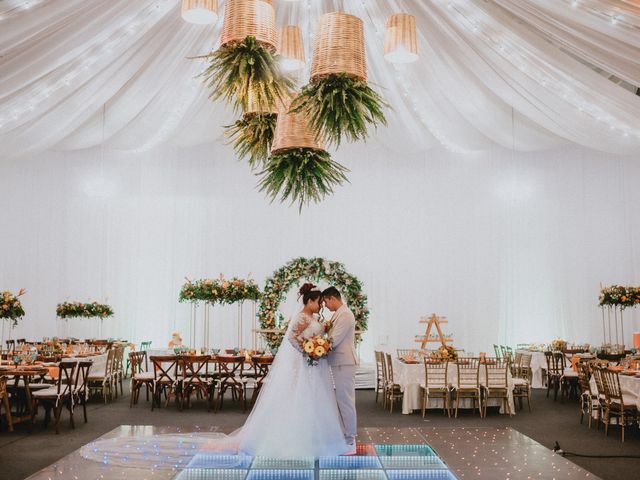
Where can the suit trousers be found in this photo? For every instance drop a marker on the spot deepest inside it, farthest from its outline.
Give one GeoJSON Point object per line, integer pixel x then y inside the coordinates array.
{"type": "Point", "coordinates": [344, 379]}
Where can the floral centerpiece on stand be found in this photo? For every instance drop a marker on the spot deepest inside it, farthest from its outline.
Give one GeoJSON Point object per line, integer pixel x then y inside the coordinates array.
{"type": "Point", "coordinates": [619, 296]}
{"type": "Point", "coordinates": [219, 290]}
{"type": "Point", "coordinates": [10, 306]}
{"type": "Point", "coordinates": [83, 310]}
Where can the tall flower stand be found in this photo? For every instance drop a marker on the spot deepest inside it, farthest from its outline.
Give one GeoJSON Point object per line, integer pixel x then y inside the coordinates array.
{"type": "Point", "coordinates": [608, 330]}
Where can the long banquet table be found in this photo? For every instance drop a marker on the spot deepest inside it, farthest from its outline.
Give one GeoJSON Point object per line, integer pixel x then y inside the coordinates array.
{"type": "Point", "coordinates": [410, 376]}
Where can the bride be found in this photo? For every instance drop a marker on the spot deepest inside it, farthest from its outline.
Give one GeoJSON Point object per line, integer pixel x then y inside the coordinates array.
{"type": "Point", "coordinates": [296, 414]}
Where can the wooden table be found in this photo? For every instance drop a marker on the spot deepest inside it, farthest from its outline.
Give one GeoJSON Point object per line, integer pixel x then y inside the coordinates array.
{"type": "Point", "coordinates": [26, 373]}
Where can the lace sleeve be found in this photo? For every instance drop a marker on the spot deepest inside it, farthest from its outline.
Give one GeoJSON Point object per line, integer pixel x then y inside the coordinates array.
{"type": "Point", "coordinates": [294, 334]}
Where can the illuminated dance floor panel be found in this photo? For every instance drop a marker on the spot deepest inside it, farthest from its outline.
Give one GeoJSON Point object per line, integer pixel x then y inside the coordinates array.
{"type": "Point", "coordinates": [169, 453]}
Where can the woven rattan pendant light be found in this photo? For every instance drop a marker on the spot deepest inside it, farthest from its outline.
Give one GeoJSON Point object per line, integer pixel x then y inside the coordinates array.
{"type": "Point", "coordinates": [339, 47]}
{"type": "Point", "coordinates": [293, 131]}
{"type": "Point", "coordinates": [291, 48]}
{"type": "Point", "coordinates": [400, 39]}
{"type": "Point", "coordinates": [249, 18]}
{"type": "Point", "coordinates": [201, 12]}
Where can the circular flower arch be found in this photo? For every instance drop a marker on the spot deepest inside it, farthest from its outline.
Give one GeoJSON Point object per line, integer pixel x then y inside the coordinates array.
{"type": "Point", "coordinates": [315, 269]}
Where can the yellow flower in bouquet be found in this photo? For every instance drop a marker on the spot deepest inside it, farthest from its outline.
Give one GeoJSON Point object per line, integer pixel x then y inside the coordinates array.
{"type": "Point", "coordinates": [319, 351]}
{"type": "Point", "coordinates": [308, 346]}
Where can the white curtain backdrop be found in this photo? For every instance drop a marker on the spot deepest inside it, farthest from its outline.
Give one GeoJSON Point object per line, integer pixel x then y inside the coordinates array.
{"type": "Point", "coordinates": [511, 247]}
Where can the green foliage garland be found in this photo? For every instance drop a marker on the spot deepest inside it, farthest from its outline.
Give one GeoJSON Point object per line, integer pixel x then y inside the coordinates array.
{"type": "Point", "coordinates": [86, 310]}
{"type": "Point", "coordinates": [252, 136]}
{"type": "Point", "coordinates": [219, 290]}
{"type": "Point", "coordinates": [246, 73]}
{"type": "Point", "coordinates": [10, 306]}
{"type": "Point", "coordinates": [302, 175]}
{"type": "Point", "coordinates": [340, 106]}
{"type": "Point", "coordinates": [313, 269]}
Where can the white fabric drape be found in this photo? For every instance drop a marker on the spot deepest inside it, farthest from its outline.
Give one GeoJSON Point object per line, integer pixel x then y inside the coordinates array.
{"type": "Point", "coordinates": [484, 67]}
{"type": "Point", "coordinates": [511, 247]}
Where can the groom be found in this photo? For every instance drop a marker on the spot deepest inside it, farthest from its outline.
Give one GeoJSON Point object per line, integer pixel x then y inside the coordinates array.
{"type": "Point", "coordinates": [343, 361]}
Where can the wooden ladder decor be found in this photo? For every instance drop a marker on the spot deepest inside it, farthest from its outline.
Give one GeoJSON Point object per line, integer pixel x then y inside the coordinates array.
{"type": "Point", "coordinates": [433, 320]}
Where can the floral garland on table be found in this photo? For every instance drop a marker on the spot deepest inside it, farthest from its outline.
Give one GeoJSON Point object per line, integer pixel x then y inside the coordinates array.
{"type": "Point", "coordinates": [10, 306]}
{"type": "Point", "coordinates": [446, 352]}
{"type": "Point", "coordinates": [219, 290]}
{"type": "Point", "coordinates": [277, 286]}
{"type": "Point", "coordinates": [618, 295]}
{"type": "Point", "coordinates": [84, 310]}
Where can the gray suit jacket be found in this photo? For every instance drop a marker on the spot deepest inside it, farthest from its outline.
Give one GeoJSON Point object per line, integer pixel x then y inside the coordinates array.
{"type": "Point", "coordinates": [343, 336]}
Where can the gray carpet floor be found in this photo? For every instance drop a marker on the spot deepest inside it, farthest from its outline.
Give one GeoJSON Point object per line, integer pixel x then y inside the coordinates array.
{"type": "Point", "coordinates": [24, 452]}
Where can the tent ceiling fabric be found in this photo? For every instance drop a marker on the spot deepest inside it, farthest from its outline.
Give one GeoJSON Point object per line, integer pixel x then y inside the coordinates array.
{"type": "Point", "coordinates": [505, 72]}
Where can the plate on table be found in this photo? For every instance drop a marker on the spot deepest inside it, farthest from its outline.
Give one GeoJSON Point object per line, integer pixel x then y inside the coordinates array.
{"type": "Point", "coordinates": [630, 373]}
{"type": "Point", "coordinates": [409, 362]}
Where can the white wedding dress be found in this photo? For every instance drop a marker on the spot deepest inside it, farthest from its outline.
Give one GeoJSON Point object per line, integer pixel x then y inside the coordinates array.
{"type": "Point", "coordinates": [296, 414]}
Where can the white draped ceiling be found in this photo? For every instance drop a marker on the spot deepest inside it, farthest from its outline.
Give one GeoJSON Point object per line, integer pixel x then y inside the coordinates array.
{"type": "Point", "coordinates": [525, 74]}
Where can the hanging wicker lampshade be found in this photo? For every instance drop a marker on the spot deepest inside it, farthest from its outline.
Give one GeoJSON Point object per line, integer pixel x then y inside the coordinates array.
{"type": "Point", "coordinates": [339, 47]}
{"type": "Point", "coordinates": [400, 39]}
{"type": "Point", "coordinates": [291, 48]}
{"type": "Point", "coordinates": [249, 18]}
{"type": "Point", "coordinates": [293, 131]}
{"type": "Point", "coordinates": [201, 12]}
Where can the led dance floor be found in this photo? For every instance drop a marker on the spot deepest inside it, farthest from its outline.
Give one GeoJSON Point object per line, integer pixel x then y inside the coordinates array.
{"type": "Point", "coordinates": [143, 452]}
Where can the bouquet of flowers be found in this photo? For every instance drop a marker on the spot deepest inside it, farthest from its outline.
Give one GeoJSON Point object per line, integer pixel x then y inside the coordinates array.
{"type": "Point", "coordinates": [558, 345]}
{"type": "Point", "coordinates": [316, 347]}
{"type": "Point", "coordinates": [10, 306]}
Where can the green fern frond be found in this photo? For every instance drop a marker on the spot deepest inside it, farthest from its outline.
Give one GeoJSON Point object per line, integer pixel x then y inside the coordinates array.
{"type": "Point", "coordinates": [339, 106]}
{"type": "Point", "coordinates": [252, 136]}
{"type": "Point", "coordinates": [244, 71]}
{"type": "Point", "coordinates": [301, 175]}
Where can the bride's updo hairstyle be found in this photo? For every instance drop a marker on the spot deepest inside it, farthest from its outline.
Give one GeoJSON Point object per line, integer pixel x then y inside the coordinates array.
{"type": "Point", "coordinates": [309, 291]}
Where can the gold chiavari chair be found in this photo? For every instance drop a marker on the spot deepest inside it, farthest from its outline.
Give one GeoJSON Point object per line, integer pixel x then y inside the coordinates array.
{"type": "Point", "coordinates": [118, 368]}
{"type": "Point", "coordinates": [379, 373]}
{"type": "Point", "coordinates": [615, 405]}
{"type": "Point", "coordinates": [4, 402]}
{"type": "Point", "coordinates": [468, 382]}
{"type": "Point", "coordinates": [436, 385]}
{"type": "Point", "coordinates": [522, 380]}
{"type": "Point", "coordinates": [103, 381]}
{"type": "Point", "coordinates": [403, 352]}
{"type": "Point", "coordinates": [589, 403]}
{"type": "Point", "coordinates": [496, 384]}
{"type": "Point", "coordinates": [392, 389]}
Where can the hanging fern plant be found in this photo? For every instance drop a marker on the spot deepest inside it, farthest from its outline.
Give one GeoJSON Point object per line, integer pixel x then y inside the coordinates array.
{"type": "Point", "coordinates": [252, 136]}
{"type": "Point", "coordinates": [301, 175]}
{"type": "Point", "coordinates": [246, 74]}
{"type": "Point", "coordinates": [340, 106]}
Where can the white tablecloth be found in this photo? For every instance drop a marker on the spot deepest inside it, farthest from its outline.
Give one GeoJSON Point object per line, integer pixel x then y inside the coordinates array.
{"type": "Point", "coordinates": [630, 387]}
{"type": "Point", "coordinates": [410, 376]}
{"type": "Point", "coordinates": [98, 366]}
